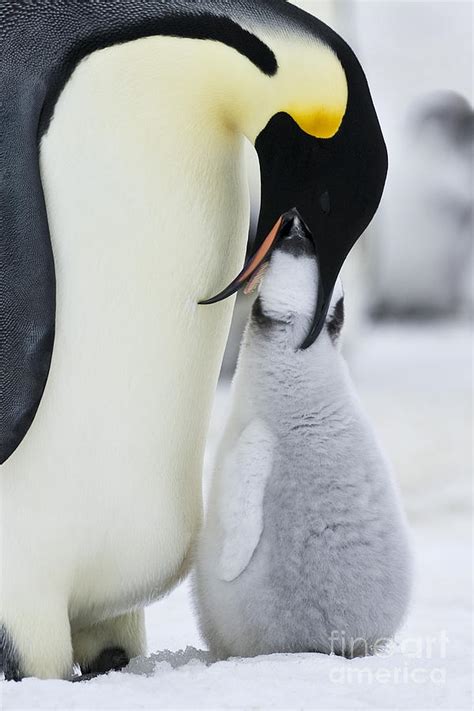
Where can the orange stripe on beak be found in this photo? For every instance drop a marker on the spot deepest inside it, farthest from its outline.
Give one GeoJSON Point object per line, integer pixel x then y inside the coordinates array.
{"type": "Point", "coordinates": [251, 267]}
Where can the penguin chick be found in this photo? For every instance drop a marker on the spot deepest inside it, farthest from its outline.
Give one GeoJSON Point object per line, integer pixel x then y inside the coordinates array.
{"type": "Point", "coordinates": [304, 547]}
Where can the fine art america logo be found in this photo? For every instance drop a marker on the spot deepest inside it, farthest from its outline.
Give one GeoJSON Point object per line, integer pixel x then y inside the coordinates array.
{"type": "Point", "coordinates": [413, 660]}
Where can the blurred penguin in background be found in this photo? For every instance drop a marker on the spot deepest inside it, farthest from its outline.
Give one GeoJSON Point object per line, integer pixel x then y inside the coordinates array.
{"type": "Point", "coordinates": [428, 241]}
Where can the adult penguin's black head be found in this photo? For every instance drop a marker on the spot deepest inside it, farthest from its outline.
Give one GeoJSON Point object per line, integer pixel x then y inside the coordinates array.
{"type": "Point", "coordinates": [321, 152]}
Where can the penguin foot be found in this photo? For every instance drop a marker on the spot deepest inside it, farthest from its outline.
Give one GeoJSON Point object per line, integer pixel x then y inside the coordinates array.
{"type": "Point", "coordinates": [35, 643]}
{"type": "Point", "coordinates": [9, 662]}
{"type": "Point", "coordinates": [110, 659]}
{"type": "Point", "coordinates": [109, 645]}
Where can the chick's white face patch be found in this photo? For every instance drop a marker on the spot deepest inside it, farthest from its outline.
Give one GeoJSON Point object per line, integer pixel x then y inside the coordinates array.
{"type": "Point", "coordinates": [290, 286]}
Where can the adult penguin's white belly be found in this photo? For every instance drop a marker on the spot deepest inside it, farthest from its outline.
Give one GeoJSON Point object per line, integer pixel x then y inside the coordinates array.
{"type": "Point", "coordinates": [141, 184]}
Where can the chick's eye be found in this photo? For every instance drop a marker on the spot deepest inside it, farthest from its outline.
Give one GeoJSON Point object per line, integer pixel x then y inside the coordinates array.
{"type": "Point", "coordinates": [325, 202]}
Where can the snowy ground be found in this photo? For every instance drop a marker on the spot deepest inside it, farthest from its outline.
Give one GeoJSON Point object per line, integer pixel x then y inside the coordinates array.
{"type": "Point", "coordinates": [415, 383]}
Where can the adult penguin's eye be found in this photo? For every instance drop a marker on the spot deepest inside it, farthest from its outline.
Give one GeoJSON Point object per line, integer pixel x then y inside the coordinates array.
{"type": "Point", "coordinates": [325, 202]}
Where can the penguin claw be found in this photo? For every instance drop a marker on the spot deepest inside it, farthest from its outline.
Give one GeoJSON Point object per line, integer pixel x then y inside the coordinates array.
{"type": "Point", "coordinates": [83, 677]}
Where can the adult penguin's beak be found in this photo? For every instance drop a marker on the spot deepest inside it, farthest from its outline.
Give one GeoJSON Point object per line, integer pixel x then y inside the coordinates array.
{"type": "Point", "coordinates": [251, 266]}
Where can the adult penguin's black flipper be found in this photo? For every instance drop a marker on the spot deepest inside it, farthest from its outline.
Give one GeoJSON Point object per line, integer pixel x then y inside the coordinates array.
{"type": "Point", "coordinates": [27, 280]}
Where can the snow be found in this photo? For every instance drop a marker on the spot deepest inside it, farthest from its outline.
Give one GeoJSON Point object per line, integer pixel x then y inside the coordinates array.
{"type": "Point", "coordinates": [415, 382]}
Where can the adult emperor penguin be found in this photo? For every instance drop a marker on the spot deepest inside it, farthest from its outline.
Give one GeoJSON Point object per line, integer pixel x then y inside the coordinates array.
{"type": "Point", "coordinates": [123, 203]}
{"type": "Point", "coordinates": [304, 548]}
